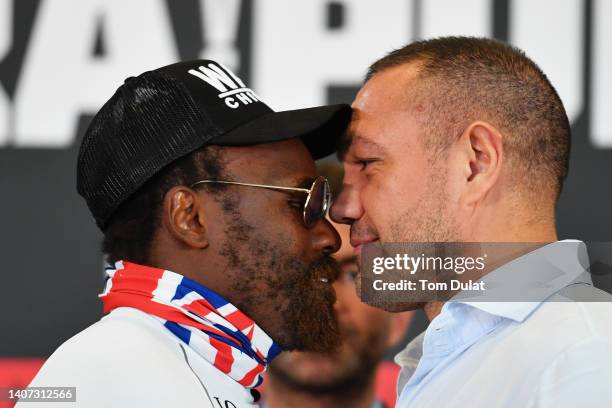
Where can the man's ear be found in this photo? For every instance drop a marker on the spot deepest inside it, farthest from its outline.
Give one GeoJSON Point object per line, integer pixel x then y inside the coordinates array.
{"type": "Point", "coordinates": [184, 216]}
{"type": "Point", "coordinates": [398, 326]}
{"type": "Point", "coordinates": [482, 146]}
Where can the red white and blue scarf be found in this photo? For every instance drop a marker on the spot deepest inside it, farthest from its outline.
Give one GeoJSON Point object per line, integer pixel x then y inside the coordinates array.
{"type": "Point", "coordinates": [209, 324]}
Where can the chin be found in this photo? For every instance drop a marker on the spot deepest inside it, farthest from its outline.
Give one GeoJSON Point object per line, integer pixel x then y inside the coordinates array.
{"type": "Point", "coordinates": [305, 367]}
{"type": "Point", "coordinates": [315, 367]}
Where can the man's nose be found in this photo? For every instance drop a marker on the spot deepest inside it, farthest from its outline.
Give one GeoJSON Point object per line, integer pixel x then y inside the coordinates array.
{"type": "Point", "coordinates": [326, 238]}
{"type": "Point", "coordinates": [346, 208]}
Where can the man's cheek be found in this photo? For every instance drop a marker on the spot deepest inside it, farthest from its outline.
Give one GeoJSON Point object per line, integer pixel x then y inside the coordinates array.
{"type": "Point", "coordinates": [292, 239]}
{"type": "Point", "coordinates": [371, 197]}
{"type": "Point", "coordinates": [377, 213]}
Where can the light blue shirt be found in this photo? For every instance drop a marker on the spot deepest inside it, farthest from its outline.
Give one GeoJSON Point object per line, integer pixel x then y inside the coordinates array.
{"type": "Point", "coordinates": [547, 353]}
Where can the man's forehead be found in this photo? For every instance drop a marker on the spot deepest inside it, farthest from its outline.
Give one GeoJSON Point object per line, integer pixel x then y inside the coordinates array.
{"type": "Point", "coordinates": [359, 134]}
{"type": "Point", "coordinates": [388, 89]}
{"type": "Point", "coordinates": [292, 171]}
{"type": "Point", "coordinates": [287, 161]}
{"type": "Point", "coordinates": [385, 112]}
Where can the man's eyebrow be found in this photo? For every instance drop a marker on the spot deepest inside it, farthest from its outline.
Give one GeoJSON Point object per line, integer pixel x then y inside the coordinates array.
{"type": "Point", "coordinates": [296, 181]}
{"type": "Point", "coordinates": [370, 144]}
{"type": "Point", "coordinates": [350, 138]}
{"type": "Point", "coordinates": [304, 182]}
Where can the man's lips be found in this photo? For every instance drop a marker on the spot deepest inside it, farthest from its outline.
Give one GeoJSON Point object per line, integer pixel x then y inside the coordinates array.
{"type": "Point", "coordinates": [328, 271]}
{"type": "Point", "coordinates": [357, 244]}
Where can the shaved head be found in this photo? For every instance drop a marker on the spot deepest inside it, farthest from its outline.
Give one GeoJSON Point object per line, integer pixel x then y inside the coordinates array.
{"type": "Point", "coordinates": [460, 80]}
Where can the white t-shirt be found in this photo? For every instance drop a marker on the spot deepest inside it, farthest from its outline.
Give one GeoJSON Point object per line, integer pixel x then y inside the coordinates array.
{"type": "Point", "coordinates": [128, 359]}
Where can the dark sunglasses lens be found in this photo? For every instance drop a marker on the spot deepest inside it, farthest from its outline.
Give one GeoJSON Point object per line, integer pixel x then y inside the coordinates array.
{"type": "Point", "coordinates": [316, 205]}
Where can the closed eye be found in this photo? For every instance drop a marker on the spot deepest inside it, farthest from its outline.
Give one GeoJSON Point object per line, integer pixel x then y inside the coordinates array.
{"type": "Point", "coordinates": [364, 163]}
{"type": "Point", "coordinates": [297, 204]}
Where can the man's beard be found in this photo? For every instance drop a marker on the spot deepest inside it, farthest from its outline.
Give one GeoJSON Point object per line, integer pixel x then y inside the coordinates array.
{"type": "Point", "coordinates": [354, 367]}
{"type": "Point", "coordinates": [427, 221]}
{"type": "Point", "coordinates": [298, 307]}
{"type": "Point", "coordinates": [309, 320]}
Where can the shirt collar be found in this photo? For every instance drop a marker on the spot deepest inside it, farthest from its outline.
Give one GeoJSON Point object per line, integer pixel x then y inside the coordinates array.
{"type": "Point", "coordinates": [531, 278]}
{"type": "Point", "coordinates": [456, 327]}
{"type": "Point", "coordinates": [462, 321]}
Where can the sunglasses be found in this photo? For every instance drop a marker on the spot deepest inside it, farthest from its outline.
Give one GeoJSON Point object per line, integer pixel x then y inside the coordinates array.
{"type": "Point", "coordinates": [317, 201]}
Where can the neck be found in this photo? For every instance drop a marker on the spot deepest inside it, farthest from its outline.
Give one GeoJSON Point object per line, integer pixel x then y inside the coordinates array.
{"type": "Point", "coordinates": [280, 395]}
{"type": "Point", "coordinates": [513, 224]}
{"type": "Point", "coordinates": [543, 232]}
{"type": "Point", "coordinates": [535, 233]}
{"type": "Point", "coordinates": [432, 309]}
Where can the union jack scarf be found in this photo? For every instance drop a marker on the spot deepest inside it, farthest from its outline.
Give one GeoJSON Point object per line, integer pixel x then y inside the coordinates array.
{"type": "Point", "coordinates": [209, 324]}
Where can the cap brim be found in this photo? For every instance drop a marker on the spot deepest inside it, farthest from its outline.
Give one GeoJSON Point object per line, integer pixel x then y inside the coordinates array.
{"type": "Point", "coordinates": [319, 128]}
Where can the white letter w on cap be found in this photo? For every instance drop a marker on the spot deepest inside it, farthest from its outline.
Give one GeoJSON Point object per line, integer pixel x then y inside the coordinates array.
{"type": "Point", "coordinates": [217, 77]}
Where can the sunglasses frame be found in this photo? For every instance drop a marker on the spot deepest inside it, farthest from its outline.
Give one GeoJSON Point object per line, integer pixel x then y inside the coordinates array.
{"type": "Point", "coordinates": [308, 191]}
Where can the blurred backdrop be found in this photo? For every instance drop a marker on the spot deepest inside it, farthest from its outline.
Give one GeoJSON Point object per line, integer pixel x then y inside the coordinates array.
{"type": "Point", "coordinates": [60, 60]}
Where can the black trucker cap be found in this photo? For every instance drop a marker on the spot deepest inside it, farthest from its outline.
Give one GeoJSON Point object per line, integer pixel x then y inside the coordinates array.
{"type": "Point", "coordinates": [161, 115]}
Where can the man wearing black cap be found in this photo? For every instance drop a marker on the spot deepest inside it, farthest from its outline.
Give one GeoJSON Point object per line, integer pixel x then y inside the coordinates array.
{"type": "Point", "coordinates": [213, 221]}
